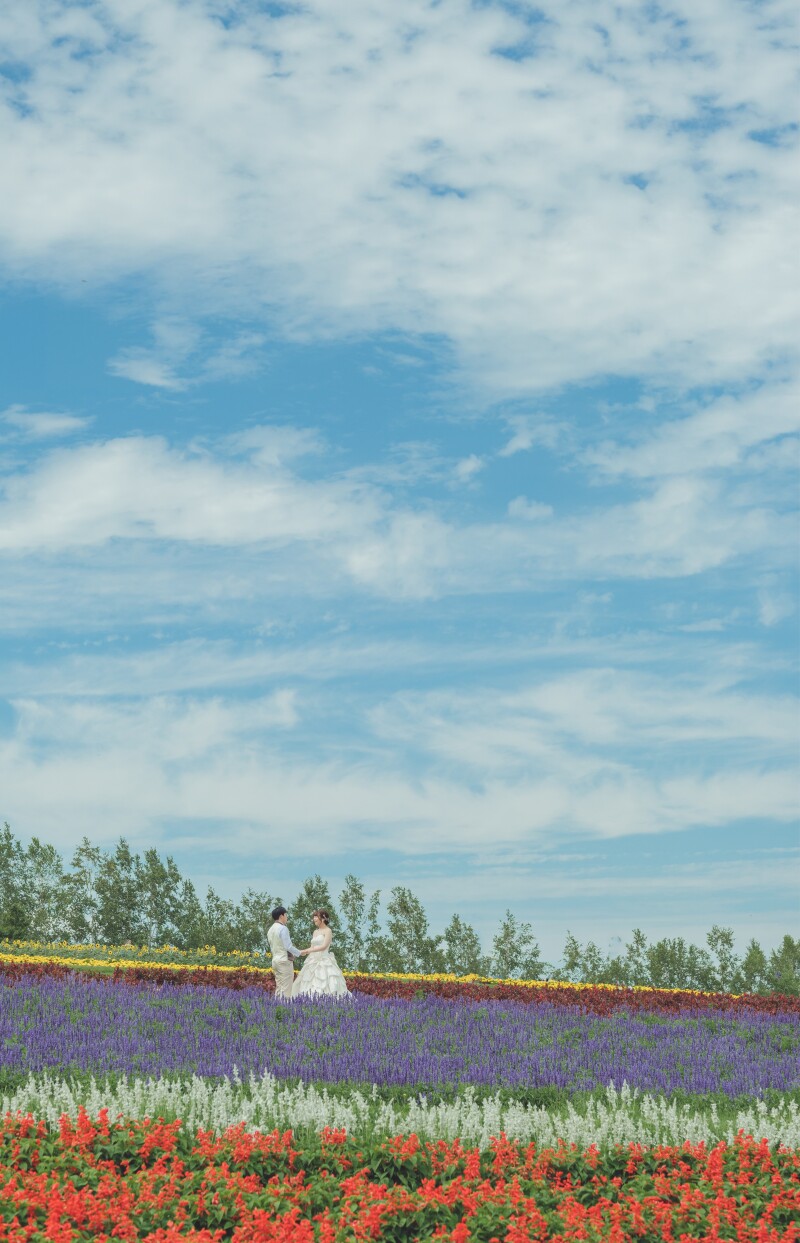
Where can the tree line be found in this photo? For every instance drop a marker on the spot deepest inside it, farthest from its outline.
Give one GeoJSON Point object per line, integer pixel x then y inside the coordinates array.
{"type": "Point", "coordinates": [117, 896]}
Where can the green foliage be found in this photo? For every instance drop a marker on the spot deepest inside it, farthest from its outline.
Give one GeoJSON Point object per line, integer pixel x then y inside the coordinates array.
{"type": "Point", "coordinates": [783, 969]}
{"type": "Point", "coordinates": [14, 922]}
{"type": "Point", "coordinates": [673, 963]}
{"type": "Point", "coordinates": [14, 911]}
{"type": "Point", "coordinates": [120, 916]}
{"type": "Point", "coordinates": [754, 969]}
{"type": "Point", "coordinates": [463, 952]}
{"type": "Point", "coordinates": [314, 895]}
{"type": "Point", "coordinates": [159, 887]}
{"type": "Point", "coordinates": [81, 901]}
{"type": "Point", "coordinates": [408, 944]}
{"type": "Point", "coordinates": [359, 939]}
{"type": "Point", "coordinates": [515, 951]}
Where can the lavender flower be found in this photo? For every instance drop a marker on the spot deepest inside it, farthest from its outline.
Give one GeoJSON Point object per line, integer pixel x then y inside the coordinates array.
{"type": "Point", "coordinates": [90, 1025]}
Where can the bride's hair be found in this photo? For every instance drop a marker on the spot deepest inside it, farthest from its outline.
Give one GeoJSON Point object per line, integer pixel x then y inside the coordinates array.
{"type": "Point", "coordinates": [324, 916]}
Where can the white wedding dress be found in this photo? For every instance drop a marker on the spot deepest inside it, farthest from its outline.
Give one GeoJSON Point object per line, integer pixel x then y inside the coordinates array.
{"type": "Point", "coordinates": [321, 974]}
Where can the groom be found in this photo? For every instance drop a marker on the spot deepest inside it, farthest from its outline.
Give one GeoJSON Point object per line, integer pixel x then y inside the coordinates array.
{"type": "Point", "coordinates": [283, 954]}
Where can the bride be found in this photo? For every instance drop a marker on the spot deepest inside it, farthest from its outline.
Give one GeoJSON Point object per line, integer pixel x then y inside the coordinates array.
{"type": "Point", "coordinates": [321, 973]}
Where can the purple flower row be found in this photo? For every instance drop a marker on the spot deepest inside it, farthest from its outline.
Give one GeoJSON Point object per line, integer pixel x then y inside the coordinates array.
{"type": "Point", "coordinates": [90, 1025]}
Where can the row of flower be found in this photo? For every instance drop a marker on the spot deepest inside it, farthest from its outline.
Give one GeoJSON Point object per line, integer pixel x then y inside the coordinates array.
{"type": "Point", "coordinates": [97, 1025]}
{"type": "Point", "coordinates": [262, 1102]}
{"type": "Point", "coordinates": [594, 998]}
{"type": "Point", "coordinates": [98, 954]}
{"type": "Point", "coordinates": [97, 1179]}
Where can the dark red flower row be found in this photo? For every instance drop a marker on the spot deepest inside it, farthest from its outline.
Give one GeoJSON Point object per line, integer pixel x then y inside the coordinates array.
{"type": "Point", "coordinates": [98, 1180]}
{"type": "Point", "coordinates": [592, 999]}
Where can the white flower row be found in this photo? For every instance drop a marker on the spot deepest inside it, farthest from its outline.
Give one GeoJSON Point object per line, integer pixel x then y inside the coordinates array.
{"type": "Point", "coordinates": [626, 1116]}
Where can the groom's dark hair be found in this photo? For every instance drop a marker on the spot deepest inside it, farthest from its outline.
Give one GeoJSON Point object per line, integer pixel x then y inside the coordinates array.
{"type": "Point", "coordinates": [279, 910]}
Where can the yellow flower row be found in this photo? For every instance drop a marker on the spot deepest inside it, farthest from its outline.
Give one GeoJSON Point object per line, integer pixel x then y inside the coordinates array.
{"type": "Point", "coordinates": [405, 976]}
{"type": "Point", "coordinates": [39, 948]}
{"type": "Point", "coordinates": [485, 979]}
{"type": "Point", "coordinates": [73, 961]}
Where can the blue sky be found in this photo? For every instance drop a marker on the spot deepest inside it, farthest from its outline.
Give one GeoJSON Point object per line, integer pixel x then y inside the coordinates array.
{"type": "Point", "coordinates": [398, 434]}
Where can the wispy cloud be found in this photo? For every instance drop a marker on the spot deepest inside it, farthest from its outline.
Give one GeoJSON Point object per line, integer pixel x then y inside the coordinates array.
{"type": "Point", "coordinates": [42, 424]}
{"type": "Point", "coordinates": [143, 368]}
{"type": "Point", "coordinates": [528, 431]}
{"type": "Point", "coordinates": [181, 357]}
{"type": "Point", "coordinates": [529, 511]}
{"type": "Point", "coordinates": [139, 489]}
{"type": "Point", "coordinates": [467, 468]}
{"type": "Point", "coordinates": [718, 437]}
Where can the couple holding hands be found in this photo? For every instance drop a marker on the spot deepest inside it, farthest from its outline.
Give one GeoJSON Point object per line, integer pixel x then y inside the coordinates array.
{"type": "Point", "coordinates": [320, 974]}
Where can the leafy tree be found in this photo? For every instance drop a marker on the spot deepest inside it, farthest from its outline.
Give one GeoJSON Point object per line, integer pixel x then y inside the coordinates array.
{"type": "Point", "coordinates": [728, 975]}
{"type": "Point", "coordinates": [46, 895]}
{"type": "Point", "coordinates": [314, 894]}
{"type": "Point", "coordinates": [586, 965]}
{"type": "Point", "coordinates": [14, 922]}
{"type": "Point", "coordinates": [191, 930]}
{"type": "Point", "coordinates": [374, 940]}
{"type": "Point", "coordinates": [159, 896]}
{"type": "Point", "coordinates": [357, 925]}
{"type": "Point", "coordinates": [463, 952]}
{"type": "Point", "coordinates": [15, 914]}
{"type": "Point", "coordinates": [515, 951]}
{"type": "Point", "coordinates": [120, 896]}
{"type": "Point", "coordinates": [408, 944]}
{"type": "Point", "coordinates": [674, 964]}
{"type": "Point", "coordinates": [783, 969]}
{"type": "Point", "coordinates": [80, 889]}
{"type": "Point", "coordinates": [119, 911]}
{"type": "Point", "coordinates": [218, 923]}
{"type": "Point", "coordinates": [754, 969]}
{"type": "Point", "coordinates": [254, 920]}
{"type": "Point", "coordinates": [635, 966]}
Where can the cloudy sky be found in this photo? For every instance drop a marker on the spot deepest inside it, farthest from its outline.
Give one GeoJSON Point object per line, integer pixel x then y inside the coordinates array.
{"type": "Point", "coordinates": [398, 433]}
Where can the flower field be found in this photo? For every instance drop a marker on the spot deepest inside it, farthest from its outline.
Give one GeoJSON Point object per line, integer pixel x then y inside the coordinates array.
{"type": "Point", "coordinates": [166, 1101]}
{"type": "Point", "coordinates": [99, 1180]}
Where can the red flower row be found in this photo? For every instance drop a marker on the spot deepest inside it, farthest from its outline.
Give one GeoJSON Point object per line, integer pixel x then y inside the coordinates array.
{"type": "Point", "coordinates": [594, 1000]}
{"type": "Point", "coordinates": [98, 1180]}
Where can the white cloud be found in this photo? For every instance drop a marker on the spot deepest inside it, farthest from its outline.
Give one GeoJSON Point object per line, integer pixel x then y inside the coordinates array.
{"type": "Point", "coordinates": [686, 525]}
{"type": "Point", "coordinates": [530, 430]}
{"type": "Point", "coordinates": [275, 444]}
{"type": "Point", "coordinates": [41, 424]}
{"type": "Point", "coordinates": [142, 368]}
{"type": "Point", "coordinates": [720, 436]}
{"type": "Point", "coordinates": [578, 725]}
{"type": "Point", "coordinates": [410, 558]}
{"type": "Point", "coordinates": [166, 729]}
{"type": "Point", "coordinates": [707, 626]}
{"type": "Point", "coordinates": [467, 468]}
{"type": "Point", "coordinates": [597, 206]}
{"type": "Point", "coordinates": [774, 607]}
{"type": "Point", "coordinates": [529, 511]}
{"type": "Point", "coordinates": [181, 357]}
{"type": "Point", "coordinates": [138, 488]}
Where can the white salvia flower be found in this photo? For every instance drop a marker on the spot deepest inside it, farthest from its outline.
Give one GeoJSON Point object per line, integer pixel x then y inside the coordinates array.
{"type": "Point", "coordinates": [263, 1102]}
